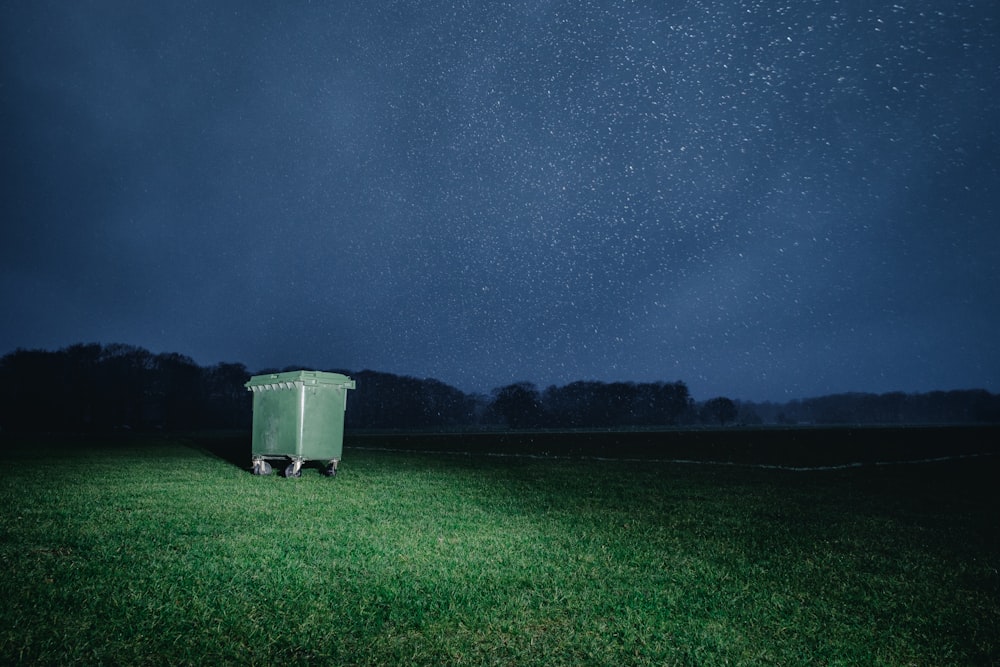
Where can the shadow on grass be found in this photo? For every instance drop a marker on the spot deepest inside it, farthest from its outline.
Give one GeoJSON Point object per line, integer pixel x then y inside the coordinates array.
{"type": "Point", "coordinates": [235, 448]}
{"type": "Point", "coordinates": [232, 447]}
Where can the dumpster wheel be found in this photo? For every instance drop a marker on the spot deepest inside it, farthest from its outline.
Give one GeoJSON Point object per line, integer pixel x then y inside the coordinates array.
{"type": "Point", "coordinates": [261, 467]}
{"type": "Point", "coordinates": [294, 469]}
{"type": "Point", "coordinates": [331, 469]}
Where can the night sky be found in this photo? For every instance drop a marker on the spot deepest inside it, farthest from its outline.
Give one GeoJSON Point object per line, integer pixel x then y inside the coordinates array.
{"type": "Point", "coordinates": [765, 200]}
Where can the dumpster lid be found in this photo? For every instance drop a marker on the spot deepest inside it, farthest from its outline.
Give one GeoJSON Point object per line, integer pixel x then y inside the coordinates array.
{"type": "Point", "coordinates": [290, 378]}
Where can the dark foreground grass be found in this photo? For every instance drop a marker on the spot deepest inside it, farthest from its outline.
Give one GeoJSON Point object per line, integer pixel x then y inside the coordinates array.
{"type": "Point", "coordinates": [161, 553]}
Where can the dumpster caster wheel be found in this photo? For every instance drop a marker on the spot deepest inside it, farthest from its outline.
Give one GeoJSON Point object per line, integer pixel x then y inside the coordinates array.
{"type": "Point", "coordinates": [331, 471]}
{"type": "Point", "coordinates": [261, 468]}
{"type": "Point", "coordinates": [293, 470]}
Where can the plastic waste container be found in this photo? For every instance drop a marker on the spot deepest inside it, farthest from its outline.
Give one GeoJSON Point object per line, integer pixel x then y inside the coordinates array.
{"type": "Point", "coordinates": [298, 416]}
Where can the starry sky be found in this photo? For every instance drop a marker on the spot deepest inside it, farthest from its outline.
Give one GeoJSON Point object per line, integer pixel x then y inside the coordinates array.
{"type": "Point", "coordinates": [764, 199]}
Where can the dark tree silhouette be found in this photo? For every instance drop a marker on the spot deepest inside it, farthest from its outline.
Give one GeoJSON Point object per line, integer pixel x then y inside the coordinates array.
{"type": "Point", "coordinates": [226, 397]}
{"type": "Point", "coordinates": [90, 387]}
{"type": "Point", "coordinates": [721, 409]}
{"type": "Point", "coordinates": [126, 382]}
{"type": "Point", "coordinates": [518, 405]}
{"type": "Point", "coordinates": [603, 405]}
{"type": "Point", "coordinates": [384, 400]}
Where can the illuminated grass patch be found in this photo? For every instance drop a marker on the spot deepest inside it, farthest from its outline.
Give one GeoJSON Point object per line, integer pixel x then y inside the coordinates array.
{"type": "Point", "coordinates": [161, 553]}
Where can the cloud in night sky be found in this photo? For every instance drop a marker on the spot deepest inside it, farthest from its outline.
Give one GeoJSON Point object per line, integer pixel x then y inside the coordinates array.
{"type": "Point", "coordinates": [766, 200]}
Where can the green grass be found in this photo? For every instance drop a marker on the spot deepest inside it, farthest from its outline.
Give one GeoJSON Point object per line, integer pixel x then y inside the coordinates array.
{"type": "Point", "coordinates": [161, 553]}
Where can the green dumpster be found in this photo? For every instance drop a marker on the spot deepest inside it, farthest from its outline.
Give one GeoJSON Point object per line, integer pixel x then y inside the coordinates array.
{"type": "Point", "coordinates": [298, 416]}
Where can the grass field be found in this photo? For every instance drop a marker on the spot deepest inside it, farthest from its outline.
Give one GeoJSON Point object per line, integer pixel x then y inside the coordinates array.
{"type": "Point", "coordinates": [159, 552]}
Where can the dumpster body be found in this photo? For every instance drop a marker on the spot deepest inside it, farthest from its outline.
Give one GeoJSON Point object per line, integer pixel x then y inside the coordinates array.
{"type": "Point", "coordinates": [299, 416]}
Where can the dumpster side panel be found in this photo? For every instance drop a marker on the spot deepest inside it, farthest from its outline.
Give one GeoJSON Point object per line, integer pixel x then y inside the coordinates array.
{"type": "Point", "coordinates": [323, 424]}
{"type": "Point", "coordinates": [275, 424]}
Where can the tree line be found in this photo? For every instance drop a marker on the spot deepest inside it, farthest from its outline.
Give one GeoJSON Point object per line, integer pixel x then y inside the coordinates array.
{"type": "Point", "coordinates": [93, 387]}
